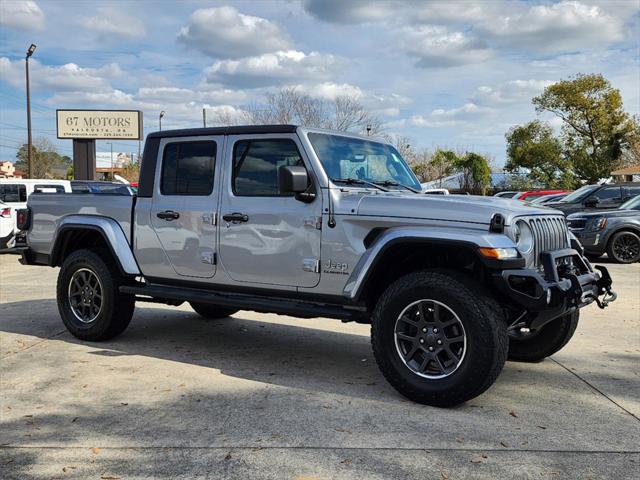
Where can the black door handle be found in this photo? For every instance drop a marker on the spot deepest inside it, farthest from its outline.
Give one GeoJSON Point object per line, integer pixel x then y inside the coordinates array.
{"type": "Point", "coordinates": [168, 215]}
{"type": "Point", "coordinates": [235, 217]}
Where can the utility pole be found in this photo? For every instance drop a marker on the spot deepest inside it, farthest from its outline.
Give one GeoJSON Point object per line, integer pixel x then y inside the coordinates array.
{"type": "Point", "coordinates": [30, 51]}
{"type": "Point", "coordinates": [111, 145]}
{"type": "Point", "coordinates": [204, 117]}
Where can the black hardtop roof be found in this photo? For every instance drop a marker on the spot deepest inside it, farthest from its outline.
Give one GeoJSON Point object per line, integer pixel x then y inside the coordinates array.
{"type": "Point", "coordinates": [235, 130]}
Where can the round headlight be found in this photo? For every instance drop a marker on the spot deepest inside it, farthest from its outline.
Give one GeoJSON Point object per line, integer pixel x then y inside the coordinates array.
{"type": "Point", "coordinates": [524, 236]}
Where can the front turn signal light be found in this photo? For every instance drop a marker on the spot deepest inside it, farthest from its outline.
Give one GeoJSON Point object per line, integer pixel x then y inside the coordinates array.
{"type": "Point", "coordinates": [499, 253]}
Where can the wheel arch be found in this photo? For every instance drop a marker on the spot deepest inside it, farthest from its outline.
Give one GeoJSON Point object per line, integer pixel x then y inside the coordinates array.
{"type": "Point", "coordinates": [396, 252]}
{"type": "Point", "coordinates": [79, 231]}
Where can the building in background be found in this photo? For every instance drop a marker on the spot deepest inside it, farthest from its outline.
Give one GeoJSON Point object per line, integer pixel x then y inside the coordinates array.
{"type": "Point", "coordinates": [8, 170]}
{"type": "Point", "coordinates": [108, 165]}
{"type": "Point", "coordinates": [627, 174]}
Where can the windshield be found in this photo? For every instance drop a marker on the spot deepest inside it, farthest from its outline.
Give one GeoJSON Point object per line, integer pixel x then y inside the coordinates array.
{"type": "Point", "coordinates": [633, 204]}
{"type": "Point", "coordinates": [358, 159]}
{"type": "Point", "coordinates": [579, 194]}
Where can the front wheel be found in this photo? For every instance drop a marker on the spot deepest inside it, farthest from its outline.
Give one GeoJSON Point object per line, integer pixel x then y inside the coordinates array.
{"type": "Point", "coordinates": [438, 338]}
{"type": "Point", "coordinates": [624, 247]}
{"type": "Point", "coordinates": [90, 304]}
{"type": "Point", "coordinates": [538, 345]}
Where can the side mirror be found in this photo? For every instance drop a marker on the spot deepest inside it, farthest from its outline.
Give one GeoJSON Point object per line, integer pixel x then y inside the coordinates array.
{"type": "Point", "coordinates": [591, 202]}
{"type": "Point", "coordinates": [292, 179]}
{"type": "Point", "coordinates": [295, 180]}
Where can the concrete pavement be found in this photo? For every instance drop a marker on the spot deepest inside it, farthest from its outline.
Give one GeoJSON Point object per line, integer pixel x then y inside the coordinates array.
{"type": "Point", "coordinates": [267, 396]}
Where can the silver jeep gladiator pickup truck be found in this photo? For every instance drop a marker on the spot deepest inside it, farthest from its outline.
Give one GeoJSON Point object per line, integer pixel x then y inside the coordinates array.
{"type": "Point", "coordinates": [313, 223]}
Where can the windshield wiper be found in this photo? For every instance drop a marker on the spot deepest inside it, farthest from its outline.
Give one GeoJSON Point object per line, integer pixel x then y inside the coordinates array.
{"type": "Point", "coordinates": [389, 183]}
{"type": "Point", "coordinates": [356, 181]}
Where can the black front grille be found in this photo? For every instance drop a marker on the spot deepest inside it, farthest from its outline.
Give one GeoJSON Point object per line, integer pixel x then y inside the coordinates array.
{"type": "Point", "coordinates": [577, 223]}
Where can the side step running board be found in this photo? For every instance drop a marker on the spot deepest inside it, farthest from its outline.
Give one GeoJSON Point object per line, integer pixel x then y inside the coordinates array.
{"type": "Point", "coordinates": [261, 304]}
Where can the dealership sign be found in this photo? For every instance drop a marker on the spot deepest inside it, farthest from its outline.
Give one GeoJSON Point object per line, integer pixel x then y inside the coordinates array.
{"type": "Point", "coordinates": [99, 124]}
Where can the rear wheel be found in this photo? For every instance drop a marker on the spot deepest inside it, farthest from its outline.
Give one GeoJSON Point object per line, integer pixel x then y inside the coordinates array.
{"type": "Point", "coordinates": [624, 247]}
{"type": "Point", "coordinates": [90, 304]}
{"type": "Point", "coordinates": [538, 345]}
{"type": "Point", "coordinates": [438, 339]}
{"type": "Point", "coordinates": [208, 310]}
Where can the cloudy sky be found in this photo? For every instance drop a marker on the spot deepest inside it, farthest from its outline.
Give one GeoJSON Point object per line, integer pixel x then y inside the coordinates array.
{"type": "Point", "coordinates": [450, 73]}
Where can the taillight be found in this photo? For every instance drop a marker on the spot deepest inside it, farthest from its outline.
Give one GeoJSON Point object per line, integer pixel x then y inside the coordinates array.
{"type": "Point", "coordinates": [5, 213]}
{"type": "Point", "coordinates": [22, 219]}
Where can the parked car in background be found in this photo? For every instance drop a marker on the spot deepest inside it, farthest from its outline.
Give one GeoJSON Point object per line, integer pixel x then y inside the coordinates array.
{"type": "Point", "coordinates": [507, 194]}
{"type": "Point", "coordinates": [7, 225]}
{"type": "Point", "coordinates": [15, 192]}
{"type": "Point", "coordinates": [615, 232]}
{"type": "Point", "coordinates": [597, 197]}
{"type": "Point", "coordinates": [531, 195]}
{"type": "Point", "coordinates": [435, 191]}
{"type": "Point", "coordinates": [544, 199]}
{"type": "Point", "coordinates": [113, 188]}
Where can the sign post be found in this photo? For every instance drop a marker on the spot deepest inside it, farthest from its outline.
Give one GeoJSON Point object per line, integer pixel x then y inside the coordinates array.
{"type": "Point", "coordinates": [84, 127]}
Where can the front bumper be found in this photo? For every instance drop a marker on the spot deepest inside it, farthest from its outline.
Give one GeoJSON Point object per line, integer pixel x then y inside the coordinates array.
{"type": "Point", "coordinates": [567, 283]}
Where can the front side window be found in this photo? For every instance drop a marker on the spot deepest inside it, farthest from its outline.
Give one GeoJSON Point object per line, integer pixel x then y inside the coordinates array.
{"type": "Point", "coordinates": [610, 193]}
{"type": "Point", "coordinates": [13, 193]}
{"type": "Point", "coordinates": [187, 168]}
{"type": "Point", "coordinates": [256, 164]}
{"type": "Point", "coordinates": [348, 158]}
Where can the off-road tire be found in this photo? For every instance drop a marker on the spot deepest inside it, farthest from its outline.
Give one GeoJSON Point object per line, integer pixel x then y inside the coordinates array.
{"type": "Point", "coordinates": [548, 340]}
{"type": "Point", "coordinates": [621, 236]}
{"type": "Point", "coordinates": [484, 326]}
{"type": "Point", "coordinates": [211, 311]}
{"type": "Point", "coordinates": [117, 308]}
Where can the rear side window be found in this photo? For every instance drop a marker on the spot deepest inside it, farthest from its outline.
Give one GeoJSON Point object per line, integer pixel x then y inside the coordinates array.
{"type": "Point", "coordinates": [48, 189]}
{"type": "Point", "coordinates": [13, 193]}
{"type": "Point", "coordinates": [256, 164]}
{"type": "Point", "coordinates": [187, 168]}
{"type": "Point", "coordinates": [632, 191]}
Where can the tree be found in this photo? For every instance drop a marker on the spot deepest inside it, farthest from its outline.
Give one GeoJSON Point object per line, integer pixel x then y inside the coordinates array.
{"type": "Point", "coordinates": [534, 147]}
{"type": "Point", "coordinates": [596, 130]}
{"type": "Point", "coordinates": [45, 161]}
{"type": "Point", "coordinates": [444, 163]}
{"type": "Point", "coordinates": [290, 105]}
{"type": "Point", "coordinates": [476, 174]}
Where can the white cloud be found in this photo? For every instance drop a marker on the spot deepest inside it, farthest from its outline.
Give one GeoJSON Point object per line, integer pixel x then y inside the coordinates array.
{"type": "Point", "coordinates": [560, 27]}
{"type": "Point", "coordinates": [68, 77]}
{"type": "Point", "coordinates": [331, 91]}
{"type": "Point", "coordinates": [110, 23]}
{"type": "Point", "coordinates": [166, 94]}
{"type": "Point", "coordinates": [109, 98]}
{"type": "Point", "coordinates": [514, 91]}
{"type": "Point", "coordinates": [224, 32]}
{"type": "Point", "coordinates": [424, 122]}
{"type": "Point", "coordinates": [273, 69]}
{"type": "Point", "coordinates": [21, 15]}
{"type": "Point", "coordinates": [398, 11]}
{"type": "Point", "coordinates": [436, 46]}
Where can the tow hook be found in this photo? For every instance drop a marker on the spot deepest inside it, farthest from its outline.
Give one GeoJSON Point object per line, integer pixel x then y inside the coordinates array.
{"type": "Point", "coordinates": [609, 297]}
{"type": "Point", "coordinates": [604, 288]}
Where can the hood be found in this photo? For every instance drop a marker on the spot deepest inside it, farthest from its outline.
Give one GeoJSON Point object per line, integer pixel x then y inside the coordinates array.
{"type": "Point", "coordinates": [605, 213]}
{"type": "Point", "coordinates": [462, 208]}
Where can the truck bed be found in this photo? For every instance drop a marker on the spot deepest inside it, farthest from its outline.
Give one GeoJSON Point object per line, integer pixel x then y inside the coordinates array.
{"type": "Point", "coordinates": [49, 210]}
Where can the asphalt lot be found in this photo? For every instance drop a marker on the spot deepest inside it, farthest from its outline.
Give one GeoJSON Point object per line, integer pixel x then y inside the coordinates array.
{"type": "Point", "coordinates": [266, 396]}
